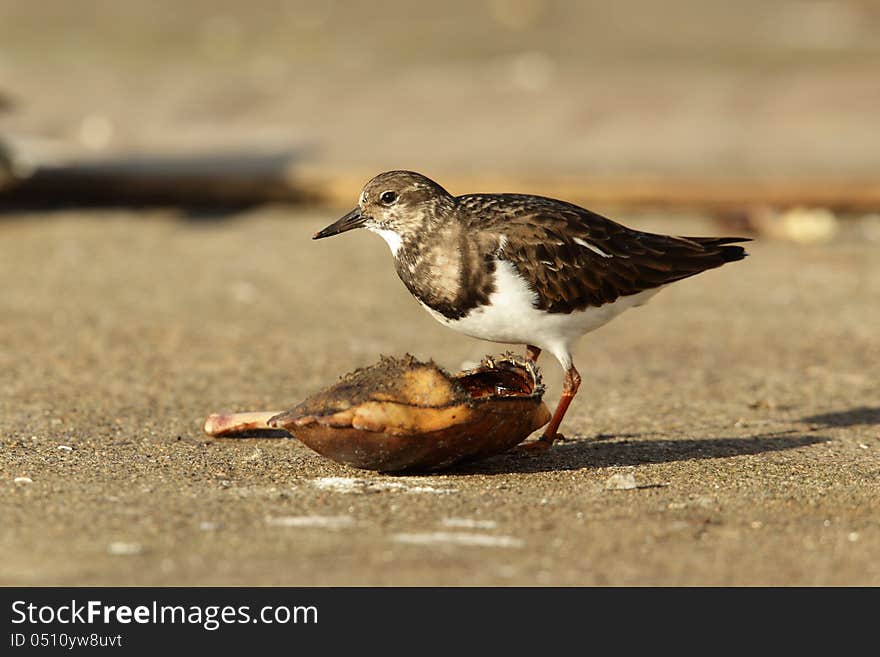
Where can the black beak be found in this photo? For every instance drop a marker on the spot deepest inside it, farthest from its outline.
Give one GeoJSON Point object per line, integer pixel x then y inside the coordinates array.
{"type": "Point", "coordinates": [353, 219]}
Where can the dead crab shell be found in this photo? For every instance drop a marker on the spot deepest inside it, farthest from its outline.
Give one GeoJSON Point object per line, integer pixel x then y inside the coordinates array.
{"type": "Point", "coordinates": [402, 414]}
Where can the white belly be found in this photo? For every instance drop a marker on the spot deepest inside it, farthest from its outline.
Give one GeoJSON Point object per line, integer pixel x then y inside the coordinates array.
{"type": "Point", "coordinates": [511, 316]}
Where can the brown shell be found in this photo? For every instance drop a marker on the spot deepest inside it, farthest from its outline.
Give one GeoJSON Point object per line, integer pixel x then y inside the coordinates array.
{"type": "Point", "coordinates": [403, 414]}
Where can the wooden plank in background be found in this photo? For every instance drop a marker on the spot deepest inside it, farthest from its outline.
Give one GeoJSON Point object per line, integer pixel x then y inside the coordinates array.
{"type": "Point", "coordinates": [251, 178]}
{"type": "Point", "coordinates": [650, 193]}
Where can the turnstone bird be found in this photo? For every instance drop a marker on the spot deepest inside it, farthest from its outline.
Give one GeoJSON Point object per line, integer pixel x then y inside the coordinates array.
{"type": "Point", "coordinates": [522, 269]}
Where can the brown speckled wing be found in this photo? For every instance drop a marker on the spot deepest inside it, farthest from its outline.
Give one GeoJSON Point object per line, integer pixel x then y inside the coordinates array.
{"type": "Point", "coordinates": [575, 258]}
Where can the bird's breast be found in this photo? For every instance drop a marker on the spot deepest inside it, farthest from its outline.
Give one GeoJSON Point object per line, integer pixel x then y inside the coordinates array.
{"type": "Point", "coordinates": [445, 277]}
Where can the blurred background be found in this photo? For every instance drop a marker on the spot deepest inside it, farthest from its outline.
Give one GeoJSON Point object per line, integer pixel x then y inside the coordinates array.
{"type": "Point", "coordinates": [164, 164]}
{"type": "Point", "coordinates": [521, 93]}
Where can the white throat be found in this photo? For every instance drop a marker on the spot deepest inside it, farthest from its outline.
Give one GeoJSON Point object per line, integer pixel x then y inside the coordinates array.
{"type": "Point", "coordinates": [393, 239]}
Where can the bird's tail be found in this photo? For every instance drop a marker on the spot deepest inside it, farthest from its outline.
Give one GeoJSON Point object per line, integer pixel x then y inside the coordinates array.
{"type": "Point", "coordinates": [722, 245]}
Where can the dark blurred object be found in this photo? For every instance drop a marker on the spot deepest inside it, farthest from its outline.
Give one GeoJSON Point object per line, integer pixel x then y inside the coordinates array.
{"type": "Point", "coordinates": [6, 167]}
{"type": "Point", "coordinates": [30, 180]}
{"type": "Point", "coordinates": [229, 179]}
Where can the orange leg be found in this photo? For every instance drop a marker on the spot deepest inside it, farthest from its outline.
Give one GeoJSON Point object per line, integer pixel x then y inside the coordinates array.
{"type": "Point", "coordinates": [569, 389]}
{"type": "Point", "coordinates": [532, 353]}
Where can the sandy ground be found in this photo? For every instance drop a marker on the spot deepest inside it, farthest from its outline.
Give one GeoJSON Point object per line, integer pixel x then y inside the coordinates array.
{"type": "Point", "coordinates": [744, 403]}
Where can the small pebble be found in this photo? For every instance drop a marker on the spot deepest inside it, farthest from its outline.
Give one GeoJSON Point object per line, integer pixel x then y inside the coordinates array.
{"type": "Point", "coordinates": [65, 448]}
{"type": "Point", "coordinates": [253, 456]}
{"type": "Point", "coordinates": [621, 481]}
{"type": "Point", "coordinates": [852, 537]}
{"type": "Point", "coordinates": [22, 481]}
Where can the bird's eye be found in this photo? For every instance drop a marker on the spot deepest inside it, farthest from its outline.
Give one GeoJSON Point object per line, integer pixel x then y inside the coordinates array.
{"type": "Point", "coordinates": [388, 197]}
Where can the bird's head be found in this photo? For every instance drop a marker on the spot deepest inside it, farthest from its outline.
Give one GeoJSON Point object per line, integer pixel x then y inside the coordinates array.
{"type": "Point", "coordinates": [397, 205]}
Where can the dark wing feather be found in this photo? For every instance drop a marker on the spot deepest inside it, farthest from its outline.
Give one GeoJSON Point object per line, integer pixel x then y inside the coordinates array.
{"type": "Point", "coordinates": [545, 242]}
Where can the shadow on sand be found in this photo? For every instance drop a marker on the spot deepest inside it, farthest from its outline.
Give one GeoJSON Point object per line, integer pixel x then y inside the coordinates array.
{"type": "Point", "coordinates": [597, 453]}
{"type": "Point", "coordinates": [848, 418]}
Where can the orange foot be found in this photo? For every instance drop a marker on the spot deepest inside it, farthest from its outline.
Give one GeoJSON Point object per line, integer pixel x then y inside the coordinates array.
{"type": "Point", "coordinates": [540, 445]}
